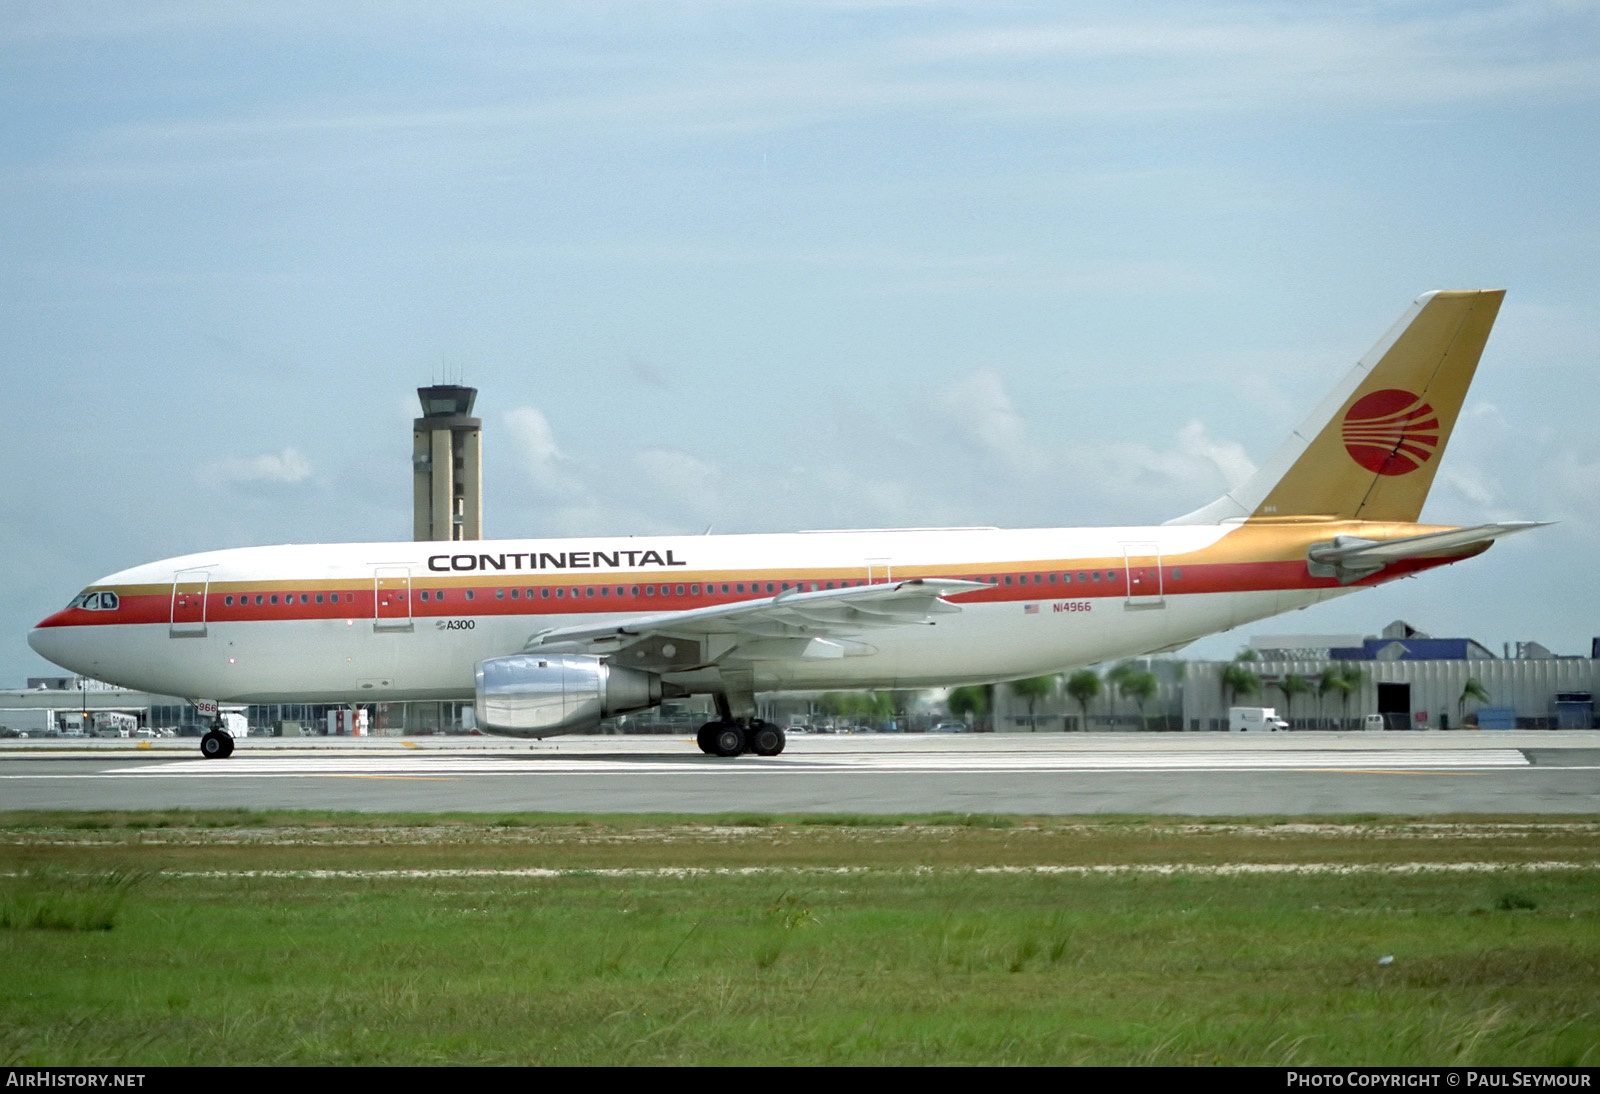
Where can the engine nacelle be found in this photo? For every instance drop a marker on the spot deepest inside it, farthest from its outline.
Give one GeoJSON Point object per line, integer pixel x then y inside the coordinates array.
{"type": "Point", "coordinates": [534, 695]}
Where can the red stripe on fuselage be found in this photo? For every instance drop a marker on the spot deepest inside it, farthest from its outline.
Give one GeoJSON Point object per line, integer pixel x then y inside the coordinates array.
{"type": "Point", "coordinates": [359, 603]}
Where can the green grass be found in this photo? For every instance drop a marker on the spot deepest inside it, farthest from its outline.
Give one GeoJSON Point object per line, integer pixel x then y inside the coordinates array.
{"type": "Point", "coordinates": [56, 901]}
{"type": "Point", "coordinates": [917, 951]}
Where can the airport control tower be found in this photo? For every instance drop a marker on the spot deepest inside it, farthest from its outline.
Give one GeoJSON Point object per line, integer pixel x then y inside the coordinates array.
{"type": "Point", "coordinates": [447, 461]}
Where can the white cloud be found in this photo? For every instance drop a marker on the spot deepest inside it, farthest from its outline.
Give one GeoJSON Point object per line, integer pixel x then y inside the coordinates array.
{"type": "Point", "coordinates": [1228, 457]}
{"type": "Point", "coordinates": [1067, 479]}
{"type": "Point", "coordinates": [977, 409]}
{"type": "Point", "coordinates": [685, 480]}
{"type": "Point", "coordinates": [539, 457]}
{"type": "Point", "coordinates": [288, 466]}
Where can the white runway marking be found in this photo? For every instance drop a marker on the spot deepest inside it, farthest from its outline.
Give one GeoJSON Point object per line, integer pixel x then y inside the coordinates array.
{"type": "Point", "coordinates": [419, 766]}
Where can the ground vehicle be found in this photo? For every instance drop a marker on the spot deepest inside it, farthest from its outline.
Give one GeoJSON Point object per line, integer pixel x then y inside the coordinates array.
{"type": "Point", "coordinates": [1255, 719]}
{"type": "Point", "coordinates": [949, 727]}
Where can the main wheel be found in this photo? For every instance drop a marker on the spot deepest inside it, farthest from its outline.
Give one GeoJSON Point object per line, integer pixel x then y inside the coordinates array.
{"type": "Point", "coordinates": [729, 739]}
{"type": "Point", "coordinates": [707, 737]}
{"type": "Point", "coordinates": [767, 739]}
{"type": "Point", "coordinates": [216, 745]}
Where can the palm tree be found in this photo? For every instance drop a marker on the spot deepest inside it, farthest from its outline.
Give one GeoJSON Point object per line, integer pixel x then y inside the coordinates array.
{"type": "Point", "coordinates": [1291, 685]}
{"type": "Point", "coordinates": [1139, 685]}
{"type": "Point", "coordinates": [1239, 682]}
{"type": "Point", "coordinates": [1083, 686]}
{"type": "Point", "coordinates": [1114, 678]}
{"type": "Point", "coordinates": [1033, 689]}
{"type": "Point", "coordinates": [1344, 678]}
{"type": "Point", "coordinates": [1473, 689]}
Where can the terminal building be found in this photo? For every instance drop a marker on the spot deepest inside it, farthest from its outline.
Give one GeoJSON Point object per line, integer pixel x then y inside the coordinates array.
{"type": "Point", "coordinates": [1413, 680]}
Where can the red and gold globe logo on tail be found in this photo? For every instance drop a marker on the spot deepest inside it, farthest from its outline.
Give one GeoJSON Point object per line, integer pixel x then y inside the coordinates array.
{"type": "Point", "coordinates": [1391, 432]}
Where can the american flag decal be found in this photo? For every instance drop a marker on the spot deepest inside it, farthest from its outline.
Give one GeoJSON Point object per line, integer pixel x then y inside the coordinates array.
{"type": "Point", "coordinates": [1030, 609]}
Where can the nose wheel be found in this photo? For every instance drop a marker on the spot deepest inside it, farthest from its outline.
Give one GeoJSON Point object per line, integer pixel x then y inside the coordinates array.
{"type": "Point", "coordinates": [216, 745]}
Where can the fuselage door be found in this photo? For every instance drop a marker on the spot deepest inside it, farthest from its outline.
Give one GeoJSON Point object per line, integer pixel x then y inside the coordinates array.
{"type": "Point", "coordinates": [1142, 565]}
{"type": "Point", "coordinates": [189, 603]}
{"type": "Point", "coordinates": [391, 589]}
{"type": "Point", "coordinates": [878, 571]}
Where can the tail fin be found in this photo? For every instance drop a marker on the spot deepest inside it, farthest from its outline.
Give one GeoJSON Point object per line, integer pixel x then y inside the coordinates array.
{"type": "Point", "coordinates": [1370, 450]}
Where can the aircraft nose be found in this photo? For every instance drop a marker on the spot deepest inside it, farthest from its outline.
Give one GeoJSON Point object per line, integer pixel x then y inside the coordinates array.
{"type": "Point", "coordinates": [49, 642]}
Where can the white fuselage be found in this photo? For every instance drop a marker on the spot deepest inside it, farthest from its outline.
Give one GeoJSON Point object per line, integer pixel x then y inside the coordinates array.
{"type": "Point", "coordinates": [394, 621]}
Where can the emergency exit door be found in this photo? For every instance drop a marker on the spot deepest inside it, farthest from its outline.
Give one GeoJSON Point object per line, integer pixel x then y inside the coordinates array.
{"type": "Point", "coordinates": [1142, 567]}
{"type": "Point", "coordinates": [391, 595]}
{"type": "Point", "coordinates": [188, 618]}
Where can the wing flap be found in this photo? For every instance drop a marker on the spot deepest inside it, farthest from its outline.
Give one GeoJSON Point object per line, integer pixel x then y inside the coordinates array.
{"type": "Point", "coordinates": [793, 615]}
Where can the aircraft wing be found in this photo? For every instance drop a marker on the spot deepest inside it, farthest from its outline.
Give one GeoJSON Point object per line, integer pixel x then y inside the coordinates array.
{"type": "Point", "coordinates": [823, 624]}
{"type": "Point", "coordinates": [1351, 558]}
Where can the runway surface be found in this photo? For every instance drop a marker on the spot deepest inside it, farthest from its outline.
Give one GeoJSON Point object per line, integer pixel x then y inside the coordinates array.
{"type": "Point", "coordinates": [1189, 774]}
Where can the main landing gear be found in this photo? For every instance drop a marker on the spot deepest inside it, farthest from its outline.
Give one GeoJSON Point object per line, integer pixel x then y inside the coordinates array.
{"type": "Point", "coordinates": [730, 738]}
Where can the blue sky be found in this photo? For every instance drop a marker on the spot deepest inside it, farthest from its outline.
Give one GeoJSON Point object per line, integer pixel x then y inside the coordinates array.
{"type": "Point", "coordinates": [773, 266]}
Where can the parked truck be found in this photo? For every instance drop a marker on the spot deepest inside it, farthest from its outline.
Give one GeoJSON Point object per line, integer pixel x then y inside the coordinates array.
{"type": "Point", "coordinates": [1255, 720]}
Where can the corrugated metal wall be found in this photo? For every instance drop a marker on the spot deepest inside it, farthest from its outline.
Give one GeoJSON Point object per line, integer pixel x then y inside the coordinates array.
{"type": "Point", "coordinates": [1527, 686]}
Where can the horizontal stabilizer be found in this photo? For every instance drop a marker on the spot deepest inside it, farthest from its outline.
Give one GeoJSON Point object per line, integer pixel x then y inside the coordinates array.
{"type": "Point", "coordinates": [1351, 558]}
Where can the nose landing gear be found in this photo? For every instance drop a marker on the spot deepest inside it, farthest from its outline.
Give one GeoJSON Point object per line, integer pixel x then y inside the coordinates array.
{"type": "Point", "coordinates": [216, 745]}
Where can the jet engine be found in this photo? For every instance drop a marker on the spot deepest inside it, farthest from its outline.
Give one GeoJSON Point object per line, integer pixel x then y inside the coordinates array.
{"type": "Point", "coordinates": [534, 695]}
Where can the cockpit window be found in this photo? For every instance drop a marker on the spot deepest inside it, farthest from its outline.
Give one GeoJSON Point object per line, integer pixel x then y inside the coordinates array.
{"type": "Point", "coordinates": [95, 601]}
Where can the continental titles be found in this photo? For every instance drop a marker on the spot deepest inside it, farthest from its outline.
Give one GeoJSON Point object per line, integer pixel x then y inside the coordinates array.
{"type": "Point", "coordinates": [547, 560]}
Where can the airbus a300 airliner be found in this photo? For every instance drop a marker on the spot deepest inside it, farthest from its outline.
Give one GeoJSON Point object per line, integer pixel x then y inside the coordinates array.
{"type": "Point", "coordinates": [551, 636]}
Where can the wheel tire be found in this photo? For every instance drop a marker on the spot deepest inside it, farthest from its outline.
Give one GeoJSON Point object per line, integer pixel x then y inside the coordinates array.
{"type": "Point", "coordinates": [216, 746]}
{"type": "Point", "coordinates": [729, 739]}
{"type": "Point", "coordinates": [707, 737]}
{"type": "Point", "coordinates": [767, 739]}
